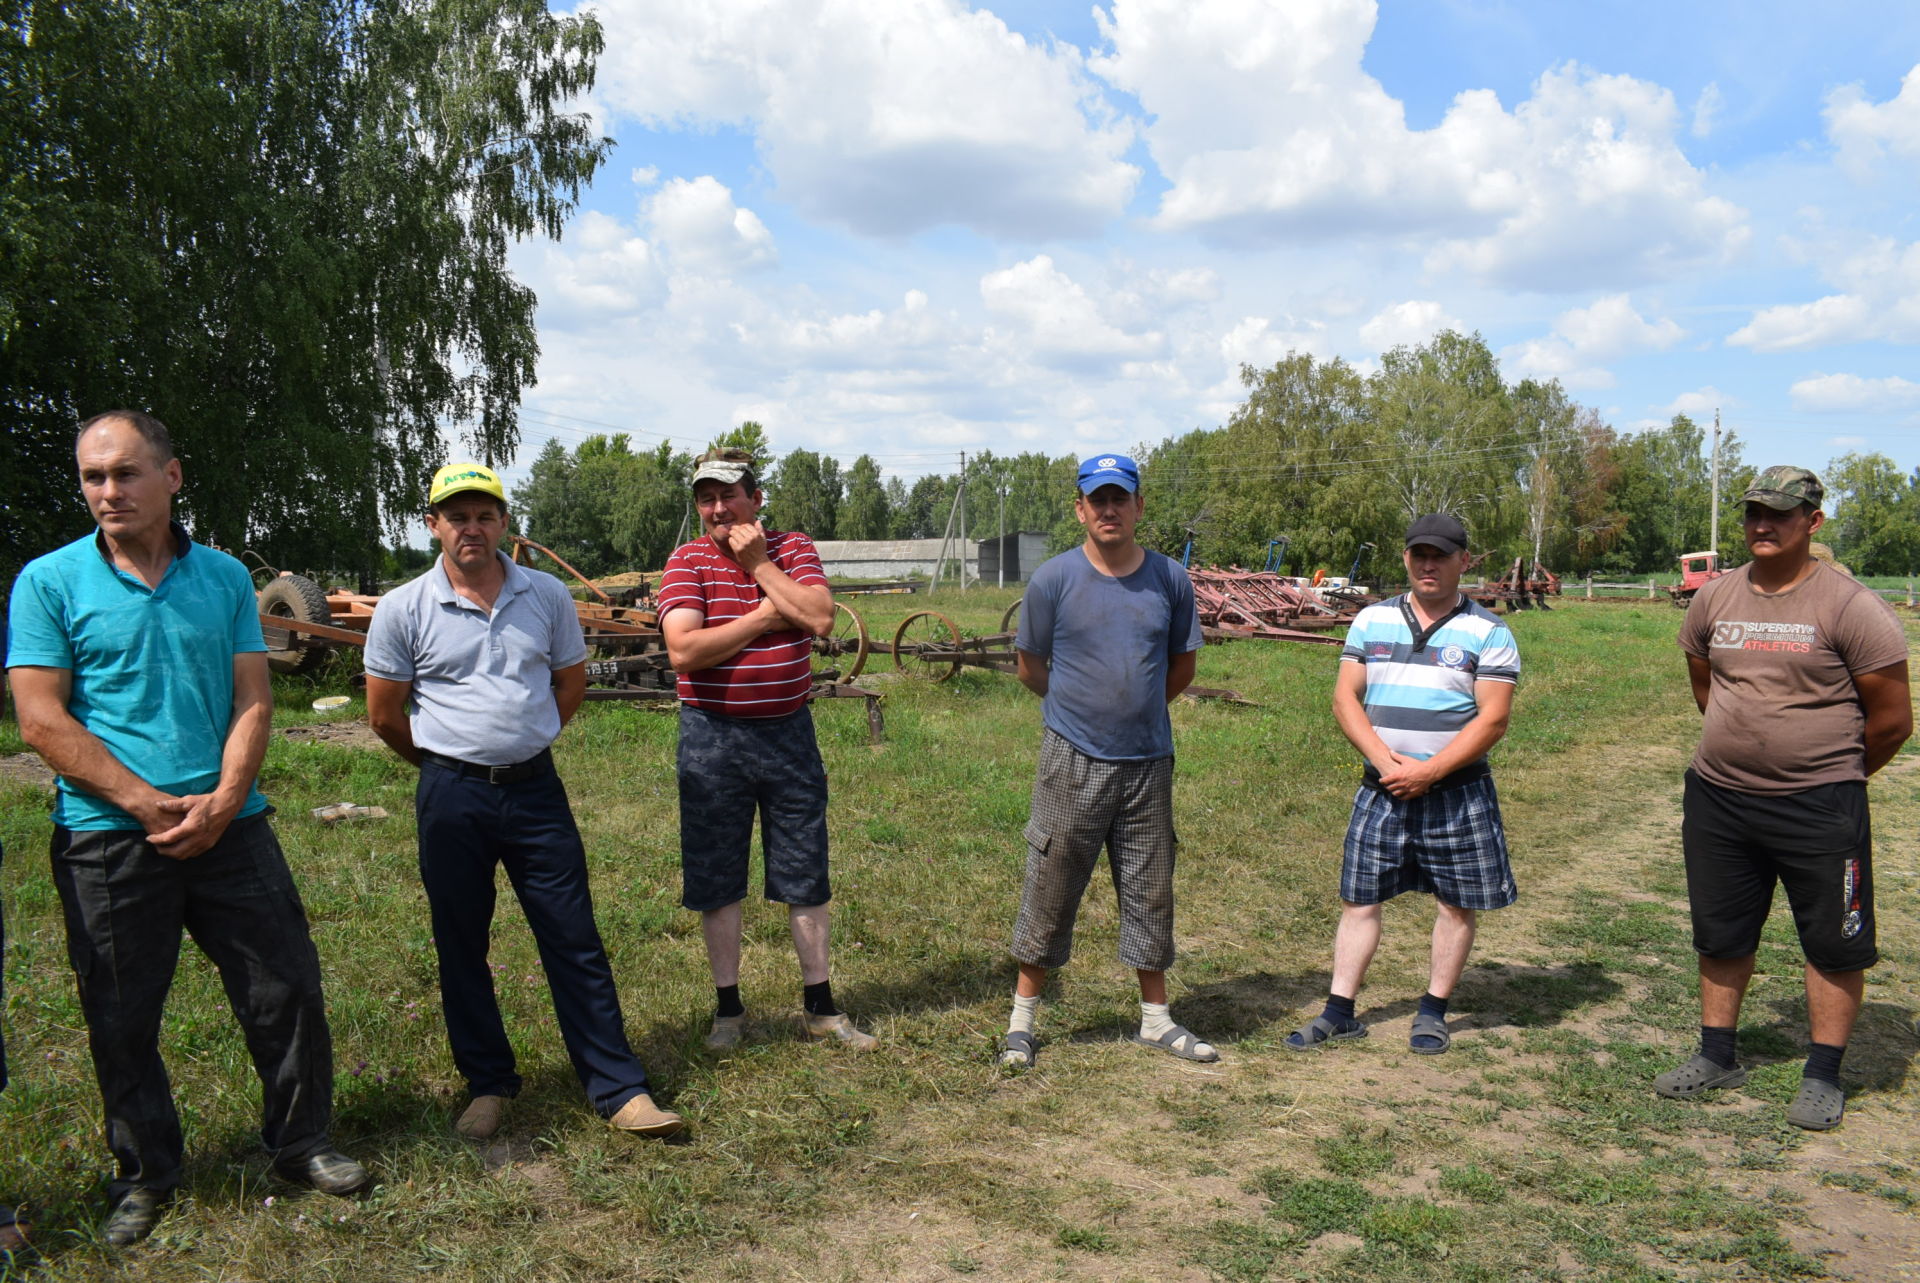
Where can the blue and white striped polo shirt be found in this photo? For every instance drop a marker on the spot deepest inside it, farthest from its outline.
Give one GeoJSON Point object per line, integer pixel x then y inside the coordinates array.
{"type": "Point", "coordinates": [1420, 693]}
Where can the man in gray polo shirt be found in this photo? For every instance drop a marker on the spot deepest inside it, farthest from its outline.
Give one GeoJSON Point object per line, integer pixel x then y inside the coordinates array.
{"type": "Point", "coordinates": [472, 670]}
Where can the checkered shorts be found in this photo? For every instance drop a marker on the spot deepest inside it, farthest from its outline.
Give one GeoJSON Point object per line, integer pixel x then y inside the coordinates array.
{"type": "Point", "coordinates": [1081, 804]}
{"type": "Point", "coordinates": [1450, 844]}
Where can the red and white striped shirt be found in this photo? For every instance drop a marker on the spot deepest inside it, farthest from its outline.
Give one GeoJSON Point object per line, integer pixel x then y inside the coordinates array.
{"type": "Point", "coordinates": [770, 677]}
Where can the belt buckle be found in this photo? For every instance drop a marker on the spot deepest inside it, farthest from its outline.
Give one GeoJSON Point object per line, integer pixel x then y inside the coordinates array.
{"type": "Point", "coordinates": [500, 774]}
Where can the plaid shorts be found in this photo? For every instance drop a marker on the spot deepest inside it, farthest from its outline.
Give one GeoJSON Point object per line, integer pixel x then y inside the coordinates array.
{"type": "Point", "coordinates": [1450, 844]}
{"type": "Point", "coordinates": [1081, 804]}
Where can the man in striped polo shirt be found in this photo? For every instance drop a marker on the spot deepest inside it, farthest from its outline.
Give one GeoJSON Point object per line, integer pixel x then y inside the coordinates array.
{"type": "Point", "coordinates": [1425, 688]}
{"type": "Point", "coordinates": [739, 608]}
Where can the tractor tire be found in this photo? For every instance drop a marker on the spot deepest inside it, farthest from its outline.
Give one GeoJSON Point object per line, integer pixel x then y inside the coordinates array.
{"type": "Point", "coordinates": [294, 597]}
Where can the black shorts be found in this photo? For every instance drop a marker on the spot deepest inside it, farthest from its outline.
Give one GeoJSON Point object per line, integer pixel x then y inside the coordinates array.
{"type": "Point", "coordinates": [1817, 843]}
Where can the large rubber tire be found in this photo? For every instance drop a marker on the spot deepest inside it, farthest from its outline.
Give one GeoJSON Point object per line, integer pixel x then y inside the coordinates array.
{"type": "Point", "coordinates": [294, 597]}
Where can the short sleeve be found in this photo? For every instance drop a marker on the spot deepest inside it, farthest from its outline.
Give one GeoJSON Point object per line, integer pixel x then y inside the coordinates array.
{"type": "Point", "coordinates": [1035, 634]}
{"type": "Point", "coordinates": [1499, 659]}
{"type": "Point", "coordinates": [1183, 632]}
{"type": "Point", "coordinates": [680, 586]}
{"type": "Point", "coordinates": [567, 643]}
{"type": "Point", "coordinates": [1870, 637]}
{"type": "Point", "coordinates": [1693, 627]}
{"type": "Point", "coordinates": [247, 638]}
{"type": "Point", "coordinates": [389, 649]}
{"type": "Point", "coordinates": [1355, 649]}
{"type": "Point", "coordinates": [800, 560]}
{"type": "Point", "coordinates": [37, 623]}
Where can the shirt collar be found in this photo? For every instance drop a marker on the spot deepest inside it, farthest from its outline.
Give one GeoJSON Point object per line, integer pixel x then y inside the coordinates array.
{"type": "Point", "coordinates": [181, 543]}
{"type": "Point", "coordinates": [516, 581]}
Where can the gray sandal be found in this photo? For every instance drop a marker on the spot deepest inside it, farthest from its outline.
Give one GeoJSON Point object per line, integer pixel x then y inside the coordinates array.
{"type": "Point", "coordinates": [1697, 1075]}
{"type": "Point", "coordinates": [1433, 1027]}
{"type": "Point", "coordinates": [1819, 1106]}
{"type": "Point", "coordinates": [1017, 1050]}
{"type": "Point", "coordinates": [1182, 1042]}
{"type": "Point", "coordinates": [1310, 1036]}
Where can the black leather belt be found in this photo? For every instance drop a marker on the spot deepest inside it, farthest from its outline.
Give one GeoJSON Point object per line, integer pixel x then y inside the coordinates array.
{"type": "Point", "coordinates": [539, 764]}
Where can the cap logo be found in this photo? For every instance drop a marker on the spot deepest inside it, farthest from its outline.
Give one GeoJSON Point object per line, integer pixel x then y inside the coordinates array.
{"type": "Point", "coordinates": [1107, 463]}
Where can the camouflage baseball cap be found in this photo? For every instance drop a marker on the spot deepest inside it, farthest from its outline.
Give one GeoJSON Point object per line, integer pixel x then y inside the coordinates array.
{"type": "Point", "coordinates": [1784, 488]}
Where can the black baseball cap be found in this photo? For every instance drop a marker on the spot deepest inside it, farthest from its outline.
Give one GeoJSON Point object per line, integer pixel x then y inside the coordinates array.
{"type": "Point", "coordinates": [1437, 530]}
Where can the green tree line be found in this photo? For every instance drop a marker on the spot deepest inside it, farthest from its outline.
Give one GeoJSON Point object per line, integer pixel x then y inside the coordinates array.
{"type": "Point", "coordinates": [1318, 455]}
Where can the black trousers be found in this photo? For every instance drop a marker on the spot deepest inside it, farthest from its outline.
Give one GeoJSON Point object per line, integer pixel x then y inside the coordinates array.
{"type": "Point", "coordinates": [126, 905]}
{"type": "Point", "coordinates": [467, 826]}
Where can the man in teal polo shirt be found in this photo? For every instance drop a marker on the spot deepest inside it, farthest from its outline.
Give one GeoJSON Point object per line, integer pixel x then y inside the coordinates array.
{"type": "Point", "coordinates": [140, 676]}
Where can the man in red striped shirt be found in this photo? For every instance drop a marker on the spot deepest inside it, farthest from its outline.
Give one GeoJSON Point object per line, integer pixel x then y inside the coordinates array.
{"type": "Point", "coordinates": [739, 609]}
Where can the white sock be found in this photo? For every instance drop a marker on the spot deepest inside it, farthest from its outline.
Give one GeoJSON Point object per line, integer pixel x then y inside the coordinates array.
{"type": "Point", "coordinates": [1024, 1012]}
{"type": "Point", "coordinates": [1156, 1021]}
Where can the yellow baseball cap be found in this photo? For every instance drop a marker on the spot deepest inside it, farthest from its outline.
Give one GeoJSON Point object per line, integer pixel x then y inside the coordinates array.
{"type": "Point", "coordinates": [457, 477]}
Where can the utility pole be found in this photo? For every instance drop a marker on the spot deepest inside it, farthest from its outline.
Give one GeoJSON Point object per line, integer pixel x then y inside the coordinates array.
{"type": "Point", "coordinates": [1713, 538]}
{"type": "Point", "coordinates": [962, 499]}
{"type": "Point", "coordinates": [1001, 560]}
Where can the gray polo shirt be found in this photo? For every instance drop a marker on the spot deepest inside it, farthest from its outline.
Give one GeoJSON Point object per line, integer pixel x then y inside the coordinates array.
{"type": "Point", "coordinates": [482, 681]}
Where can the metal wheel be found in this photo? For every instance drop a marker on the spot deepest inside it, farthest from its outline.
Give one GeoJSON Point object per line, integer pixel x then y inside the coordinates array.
{"type": "Point", "coordinates": [926, 630]}
{"type": "Point", "coordinates": [1009, 620]}
{"type": "Point", "coordinates": [844, 650]}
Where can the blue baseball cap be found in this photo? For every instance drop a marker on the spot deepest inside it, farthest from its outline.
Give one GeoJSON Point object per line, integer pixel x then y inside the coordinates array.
{"type": "Point", "coordinates": [1109, 470]}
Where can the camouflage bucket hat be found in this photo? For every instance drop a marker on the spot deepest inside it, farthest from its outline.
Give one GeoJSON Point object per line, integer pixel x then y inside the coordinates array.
{"type": "Point", "coordinates": [1785, 488]}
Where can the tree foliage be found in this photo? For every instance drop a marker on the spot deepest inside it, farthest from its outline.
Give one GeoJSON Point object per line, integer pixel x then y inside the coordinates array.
{"type": "Point", "coordinates": [606, 507]}
{"type": "Point", "coordinates": [282, 226]}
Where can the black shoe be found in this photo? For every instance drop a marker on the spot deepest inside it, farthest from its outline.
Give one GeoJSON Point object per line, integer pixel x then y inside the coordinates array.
{"type": "Point", "coordinates": [328, 1171]}
{"type": "Point", "coordinates": [135, 1215]}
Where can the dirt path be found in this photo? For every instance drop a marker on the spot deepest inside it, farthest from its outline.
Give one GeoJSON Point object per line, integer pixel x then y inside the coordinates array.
{"type": "Point", "coordinates": [1538, 1139]}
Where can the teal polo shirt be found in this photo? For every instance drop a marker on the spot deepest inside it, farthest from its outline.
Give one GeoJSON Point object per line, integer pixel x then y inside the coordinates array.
{"type": "Point", "coordinates": [152, 667]}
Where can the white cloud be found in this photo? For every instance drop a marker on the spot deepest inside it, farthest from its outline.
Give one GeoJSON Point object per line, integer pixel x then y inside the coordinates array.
{"type": "Point", "coordinates": [888, 116]}
{"type": "Point", "coordinates": [1412, 322]}
{"type": "Point", "coordinates": [645, 176]}
{"type": "Point", "coordinates": [1882, 301]}
{"type": "Point", "coordinates": [1583, 339]}
{"type": "Point", "coordinates": [1851, 392]}
{"type": "Point", "coordinates": [1705, 108]}
{"type": "Point", "coordinates": [698, 226]}
{"type": "Point", "coordinates": [1698, 405]}
{"type": "Point", "coordinates": [603, 269]}
{"type": "Point", "coordinates": [1269, 129]}
{"type": "Point", "coordinates": [1865, 134]}
{"type": "Point", "coordinates": [1054, 320]}
{"type": "Point", "coordinates": [1257, 342]}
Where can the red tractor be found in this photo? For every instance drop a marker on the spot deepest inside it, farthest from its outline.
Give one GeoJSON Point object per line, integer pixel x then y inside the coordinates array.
{"type": "Point", "coordinates": [1696, 568]}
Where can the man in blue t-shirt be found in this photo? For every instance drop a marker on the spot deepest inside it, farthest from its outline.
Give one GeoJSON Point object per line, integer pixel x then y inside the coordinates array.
{"type": "Point", "coordinates": [140, 676]}
{"type": "Point", "coordinates": [1425, 688]}
{"type": "Point", "coordinates": [1108, 635]}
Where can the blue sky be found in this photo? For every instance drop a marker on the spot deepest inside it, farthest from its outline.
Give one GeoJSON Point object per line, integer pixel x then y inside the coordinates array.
{"type": "Point", "coordinates": [915, 227]}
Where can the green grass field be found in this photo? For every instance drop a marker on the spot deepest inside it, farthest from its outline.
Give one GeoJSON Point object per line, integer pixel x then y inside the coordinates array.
{"type": "Point", "coordinates": [1536, 1150]}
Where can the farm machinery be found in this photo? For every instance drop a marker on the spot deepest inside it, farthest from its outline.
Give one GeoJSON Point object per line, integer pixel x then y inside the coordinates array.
{"type": "Point", "coordinates": [1696, 568]}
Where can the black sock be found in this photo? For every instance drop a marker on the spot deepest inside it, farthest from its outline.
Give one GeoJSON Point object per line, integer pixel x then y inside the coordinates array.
{"type": "Point", "coordinates": [1716, 1044]}
{"type": "Point", "coordinates": [1823, 1063]}
{"type": "Point", "coordinates": [1432, 1006]}
{"type": "Point", "coordinates": [818, 999]}
{"type": "Point", "coordinates": [729, 1001]}
{"type": "Point", "coordinates": [1339, 1010]}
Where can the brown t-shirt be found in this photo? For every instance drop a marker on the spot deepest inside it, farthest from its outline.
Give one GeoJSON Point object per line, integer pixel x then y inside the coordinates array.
{"type": "Point", "coordinates": [1782, 713]}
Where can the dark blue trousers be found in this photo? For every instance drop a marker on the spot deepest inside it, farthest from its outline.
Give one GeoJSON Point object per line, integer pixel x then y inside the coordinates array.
{"type": "Point", "coordinates": [125, 906]}
{"type": "Point", "coordinates": [467, 826]}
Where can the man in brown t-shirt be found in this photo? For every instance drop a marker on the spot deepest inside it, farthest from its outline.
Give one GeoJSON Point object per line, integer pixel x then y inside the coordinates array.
{"type": "Point", "coordinates": [1801, 673]}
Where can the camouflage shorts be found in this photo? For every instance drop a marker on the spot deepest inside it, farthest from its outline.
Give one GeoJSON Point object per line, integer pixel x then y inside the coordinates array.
{"type": "Point", "coordinates": [731, 767]}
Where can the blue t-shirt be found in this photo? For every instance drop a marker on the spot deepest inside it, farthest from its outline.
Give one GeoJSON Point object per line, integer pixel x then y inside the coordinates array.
{"type": "Point", "coordinates": [1108, 643]}
{"type": "Point", "coordinates": [482, 680]}
{"type": "Point", "coordinates": [152, 667]}
{"type": "Point", "coordinates": [1420, 695]}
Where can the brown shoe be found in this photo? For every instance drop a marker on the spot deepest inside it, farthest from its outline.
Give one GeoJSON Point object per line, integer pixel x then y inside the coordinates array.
{"type": "Point", "coordinates": [726, 1032]}
{"type": "Point", "coordinates": [481, 1118]}
{"type": "Point", "coordinates": [839, 1028]}
{"type": "Point", "coordinates": [642, 1117]}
